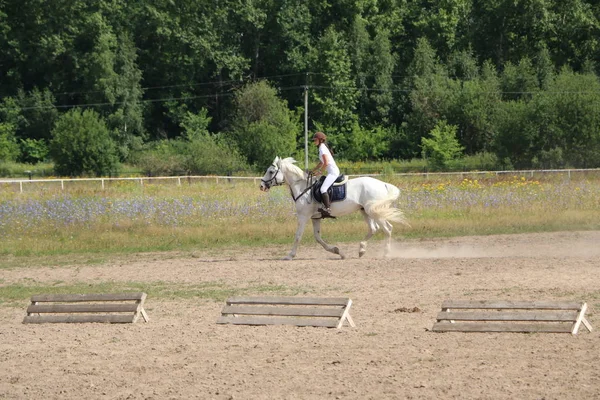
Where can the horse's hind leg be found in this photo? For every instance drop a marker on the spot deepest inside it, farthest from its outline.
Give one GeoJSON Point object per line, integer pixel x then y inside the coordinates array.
{"type": "Point", "coordinates": [317, 231]}
{"type": "Point", "coordinates": [372, 229]}
{"type": "Point", "coordinates": [387, 230]}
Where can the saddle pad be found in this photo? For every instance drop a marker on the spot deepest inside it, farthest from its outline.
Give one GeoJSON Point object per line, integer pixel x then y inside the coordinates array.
{"type": "Point", "coordinates": [338, 192]}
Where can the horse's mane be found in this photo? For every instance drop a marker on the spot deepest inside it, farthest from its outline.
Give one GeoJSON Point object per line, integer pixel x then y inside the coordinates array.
{"type": "Point", "coordinates": [288, 167]}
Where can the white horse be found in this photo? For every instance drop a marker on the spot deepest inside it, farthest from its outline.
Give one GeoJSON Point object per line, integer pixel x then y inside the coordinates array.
{"type": "Point", "coordinates": [373, 198]}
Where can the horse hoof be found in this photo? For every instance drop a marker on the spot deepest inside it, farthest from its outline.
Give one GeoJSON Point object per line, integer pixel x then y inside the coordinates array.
{"type": "Point", "coordinates": [287, 258]}
{"type": "Point", "coordinates": [361, 253]}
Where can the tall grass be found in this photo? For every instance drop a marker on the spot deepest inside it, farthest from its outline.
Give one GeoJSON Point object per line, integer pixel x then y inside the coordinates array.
{"type": "Point", "coordinates": [127, 217]}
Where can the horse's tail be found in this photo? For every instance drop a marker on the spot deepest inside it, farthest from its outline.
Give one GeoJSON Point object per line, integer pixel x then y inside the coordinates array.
{"type": "Point", "coordinates": [384, 209]}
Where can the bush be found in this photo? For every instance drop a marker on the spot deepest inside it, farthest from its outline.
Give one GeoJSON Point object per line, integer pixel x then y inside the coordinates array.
{"type": "Point", "coordinates": [82, 144]}
{"type": "Point", "coordinates": [33, 151]}
{"type": "Point", "coordinates": [161, 159]}
{"type": "Point", "coordinates": [196, 152]}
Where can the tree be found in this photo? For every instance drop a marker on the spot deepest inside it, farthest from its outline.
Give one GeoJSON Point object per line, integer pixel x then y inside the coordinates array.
{"type": "Point", "coordinates": [126, 120]}
{"type": "Point", "coordinates": [519, 81]}
{"type": "Point", "coordinates": [440, 22]}
{"type": "Point", "coordinates": [507, 30]}
{"type": "Point", "coordinates": [335, 95]}
{"type": "Point", "coordinates": [82, 144]}
{"type": "Point", "coordinates": [544, 68]}
{"type": "Point", "coordinates": [38, 114]}
{"type": "Point", "coordinates": [463, 65]}
{"type": "Point", "coordinates": [430, 99]}
{"type": "Point", "coordinates": [381, 69]}
{"type": "Point", "coordinates": [360, 57]}
{"type": "Point", "coordinates": [9, 149]}
{"type": "Point", "coordinates": [443, 146]}
{"type": "Point", "coordinates": [474, 110]}
{"type": "Point", "coordinates": [262, 125]}
{"type": "Point", "coordinates": [575, 32]}
{"type": "Point", "coordinates": [517, 134]}
{"type": "Point", "coordinates": [10, 117]}
{"type": "Point", "coordinates": [575, 100]}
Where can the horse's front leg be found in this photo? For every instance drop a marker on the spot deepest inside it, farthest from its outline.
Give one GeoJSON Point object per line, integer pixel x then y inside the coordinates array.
{"type": "Point", "coordinates": [317, 231]}
{"type": "Point", "coordinates": [299, 231]}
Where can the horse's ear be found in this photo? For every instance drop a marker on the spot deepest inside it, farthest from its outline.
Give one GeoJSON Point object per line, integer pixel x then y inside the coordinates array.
{"type": "Point", "coordinates": [276, 160]}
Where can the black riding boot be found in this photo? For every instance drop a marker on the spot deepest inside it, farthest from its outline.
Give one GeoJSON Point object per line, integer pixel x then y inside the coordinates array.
{"type": "Point", "coordinates": [326, 210]}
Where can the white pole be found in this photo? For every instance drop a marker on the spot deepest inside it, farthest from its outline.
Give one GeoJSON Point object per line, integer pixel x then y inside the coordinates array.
{"type": "Point", "coordinates": [306, 124]}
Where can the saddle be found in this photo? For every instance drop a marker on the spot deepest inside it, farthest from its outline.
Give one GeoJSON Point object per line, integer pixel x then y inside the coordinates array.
{"type": "Point", "coordinates": [337, 191]}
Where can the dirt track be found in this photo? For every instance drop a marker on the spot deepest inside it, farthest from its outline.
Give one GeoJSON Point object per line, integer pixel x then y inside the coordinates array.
{"type": "Point", "coordinates": [391, 354]}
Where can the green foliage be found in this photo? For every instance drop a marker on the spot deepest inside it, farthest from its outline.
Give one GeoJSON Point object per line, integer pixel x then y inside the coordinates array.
{"type": "Point", "coordinates": [519, 81]}
{"type": "Point", "coordinates": [262, 126]}
{"type": "Point", "coordinates": [551, 159]}
{"type": "Point", "coordinates": [474, 110]}
{"type": "Point", "coordinates": [367, 144]}
{"type": "Point", "coordinates": [204, 155]}
{"type": "Point", "coordinates": [37, 114]}
{"type": "Point", "coordinates": [574, 112]}
{"type": "Point", "coordinates": [430, 98]}
{"type": "Point", "coordinates": [378, 74]}
{"type": "Point", "coordinates": [33, 151]}
{"type": "Point", "coordinates": [197, 152]}
{"type": "Point", "coordinates": [335, 104]}
{"type": "Point", "coordinates": [381, 68]}
{"type": "Point", "coordinates": [9, 149]}
{"type": "Point", "coordinates": [125, 94]}
{"type": "Point", "coordinates": [82, 145]}
{"type": "Point", "coordinates": [442, 147]}
{"type": "Point", "coordinates": [516, 134]}
{"type": "Point", "coordinates": [22, 170]}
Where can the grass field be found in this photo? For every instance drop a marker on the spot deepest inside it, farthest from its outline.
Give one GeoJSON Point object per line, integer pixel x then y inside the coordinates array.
{"type": "Point", "coordinates": [126, 217]}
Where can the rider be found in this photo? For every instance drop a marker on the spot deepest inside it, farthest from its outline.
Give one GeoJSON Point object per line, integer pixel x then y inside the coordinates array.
{"type": "Point", "coordinates": [327, 162]}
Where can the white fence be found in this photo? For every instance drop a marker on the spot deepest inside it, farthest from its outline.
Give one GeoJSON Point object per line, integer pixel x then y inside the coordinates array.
{"type": "Point", "coordinates": [21, 183]}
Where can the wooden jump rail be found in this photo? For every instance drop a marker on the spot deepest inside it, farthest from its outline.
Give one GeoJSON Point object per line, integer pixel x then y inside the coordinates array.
{"type": "Point", "coordinates": [511, 316]}
{"type": "Point", "coordinates": [298, 311]}
{"type": "Point", "coordinates": [106, 308]}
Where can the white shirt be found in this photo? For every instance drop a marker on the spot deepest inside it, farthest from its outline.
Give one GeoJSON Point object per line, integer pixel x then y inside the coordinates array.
{"type": "Point", "coordinates": [332, 168]}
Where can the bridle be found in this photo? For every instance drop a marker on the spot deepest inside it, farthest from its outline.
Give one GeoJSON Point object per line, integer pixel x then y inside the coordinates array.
{"type": "Point", "coordinates": [268, 184]}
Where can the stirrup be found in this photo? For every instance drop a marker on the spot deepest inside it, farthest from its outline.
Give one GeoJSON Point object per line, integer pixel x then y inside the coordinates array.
{"type": "Point", "coordinates": [325, 213]}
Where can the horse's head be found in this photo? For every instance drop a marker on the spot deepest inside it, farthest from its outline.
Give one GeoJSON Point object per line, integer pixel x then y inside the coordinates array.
{"type": "Point", "coordinates": [273, 176]}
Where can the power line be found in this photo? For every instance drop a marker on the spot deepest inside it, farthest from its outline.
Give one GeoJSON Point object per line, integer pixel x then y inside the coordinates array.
{"type": "Point", "coordinates": [303, 87]}
{"type": "Point", "coordinates": [190, 85]}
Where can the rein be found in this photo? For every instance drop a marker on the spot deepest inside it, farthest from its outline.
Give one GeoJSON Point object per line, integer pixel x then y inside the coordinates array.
{"type": "Point", "coordinates": [308, 187]}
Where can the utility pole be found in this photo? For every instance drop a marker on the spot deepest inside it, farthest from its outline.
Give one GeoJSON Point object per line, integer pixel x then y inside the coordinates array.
{"type": "Point", "coordinates": [306, 124]}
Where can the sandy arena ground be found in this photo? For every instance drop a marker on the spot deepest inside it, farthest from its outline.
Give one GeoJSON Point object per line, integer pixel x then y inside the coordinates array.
{"type": "Point", "coordinates": [391, 353]}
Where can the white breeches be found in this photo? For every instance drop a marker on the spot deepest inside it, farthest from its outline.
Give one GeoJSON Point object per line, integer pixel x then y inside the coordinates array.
{"type": "Point", "coordinates": [329, 179]}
